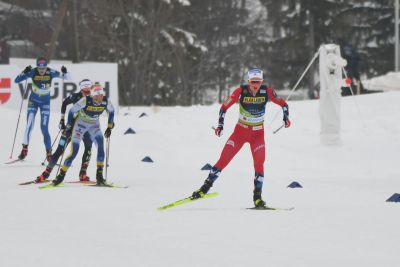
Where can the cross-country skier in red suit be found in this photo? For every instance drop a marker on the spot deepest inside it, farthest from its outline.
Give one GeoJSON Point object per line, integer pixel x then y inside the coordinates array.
{"type": "Point", "coordinates": [252, 99]}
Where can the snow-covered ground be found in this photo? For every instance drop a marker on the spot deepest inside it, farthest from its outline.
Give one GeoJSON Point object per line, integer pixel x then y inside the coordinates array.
{"type": "Point", "coordinates": [341, 217]}
{"type": "Point", "coordinates": [387, 82]}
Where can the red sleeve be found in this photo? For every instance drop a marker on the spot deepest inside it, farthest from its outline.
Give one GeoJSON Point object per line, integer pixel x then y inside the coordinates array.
{"type": "Point", "coordinates": [232, 99]}
{"type": "Point", "coordinates": [274, 98]}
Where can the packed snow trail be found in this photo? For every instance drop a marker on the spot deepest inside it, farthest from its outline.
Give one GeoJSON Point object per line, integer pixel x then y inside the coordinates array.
{"type": "Point", "coordinates": [340, 216]}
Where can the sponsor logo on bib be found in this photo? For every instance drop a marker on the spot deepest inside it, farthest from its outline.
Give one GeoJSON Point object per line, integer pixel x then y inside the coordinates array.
{"type": "Point", "coordinates": [253, 100]}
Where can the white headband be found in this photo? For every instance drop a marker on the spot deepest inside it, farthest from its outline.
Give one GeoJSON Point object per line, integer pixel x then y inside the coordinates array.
{"type": "Point", "coordinates": [85, 84]}
{"type": "Point", "coordinates": [96, 91]}
{"type": "Point", "coordinates": [255, 73]}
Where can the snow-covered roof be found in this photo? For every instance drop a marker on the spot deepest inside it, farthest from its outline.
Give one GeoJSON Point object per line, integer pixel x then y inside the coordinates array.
{"type": "Point", "coordinates": [6, 7]}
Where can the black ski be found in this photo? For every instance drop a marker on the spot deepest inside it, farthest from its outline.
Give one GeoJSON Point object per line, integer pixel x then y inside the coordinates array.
{"type": "Point", "coordinates": [13, 161]}
{"type": "Point", "coordinates": [82, 182]}
{"type": "Point", "coordinates": [107, 185]}
{"type": "Point", "coordinates": [269, 208]}
{"type": "Point", "coordinates": [34, 182]}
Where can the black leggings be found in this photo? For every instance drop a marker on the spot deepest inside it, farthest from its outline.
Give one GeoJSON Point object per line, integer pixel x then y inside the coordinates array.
{"type": "Point", "coordinates": [63, 143]}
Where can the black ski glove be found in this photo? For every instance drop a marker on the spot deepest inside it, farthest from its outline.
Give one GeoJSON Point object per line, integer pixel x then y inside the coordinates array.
{"type": "Point", "coordinates": [285, 110]}
{"type": "Point", "coordinates": [67, 131]}
{"type": "Point", "coordinates": [219, 129]}
{"type": "Point", "coordinates": [63, 69]}
{"type": "Point", "coordinates": [61, 125]}
{"type": "Point", "coordinates": [27, 69]}
{"type": "Point", "coordinates": [107, 133]}
{"type": "Point", "coordinates": [221, 118]}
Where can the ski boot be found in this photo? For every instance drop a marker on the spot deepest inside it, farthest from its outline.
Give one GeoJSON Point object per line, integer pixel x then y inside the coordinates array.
{"type": "Point", "coordinates": [59, 178]}
{"type": "Point", "coordinates": [48, 155]}
{"type": "Point", "coordinates": [82, 174]}
{"type": "Point", "coordinates": [258, 202]}
{"type": "Point", "coordinates": [43, 177]}
{"type": "Point", "coordinates": [24, 152]}
{"type": "Point", "coordinates": [83, 177]}
{"type": "Point", "coordinates": [99, 176]}
{"type": "Point", "coordinates": [203, 190]}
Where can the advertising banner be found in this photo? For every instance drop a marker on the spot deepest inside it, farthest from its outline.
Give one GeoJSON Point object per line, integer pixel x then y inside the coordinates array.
{"type": "Point", "coordinates": [105, 74]}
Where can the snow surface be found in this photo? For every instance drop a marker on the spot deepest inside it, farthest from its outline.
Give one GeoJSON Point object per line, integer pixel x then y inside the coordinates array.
{"type": "Point", "coordinates": [387, 82]}
{"type": "Point", "coordinates": [340, 216]}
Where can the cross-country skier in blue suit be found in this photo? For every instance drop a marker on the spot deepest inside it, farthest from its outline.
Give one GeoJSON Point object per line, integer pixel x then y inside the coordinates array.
{"type": "Point", "coordinates": [39, 99]}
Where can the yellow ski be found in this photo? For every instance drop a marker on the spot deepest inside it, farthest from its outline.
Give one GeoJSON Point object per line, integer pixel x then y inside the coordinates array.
{"type": "Point", "coordinates": [186, 200]}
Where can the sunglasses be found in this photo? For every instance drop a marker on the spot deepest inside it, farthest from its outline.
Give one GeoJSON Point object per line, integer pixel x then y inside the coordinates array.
{"type": "Point", "coordinates": [255, 82]}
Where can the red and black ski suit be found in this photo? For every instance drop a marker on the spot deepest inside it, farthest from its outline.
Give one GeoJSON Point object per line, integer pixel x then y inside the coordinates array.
{"type": "Point", "coordinates": [250, 127]}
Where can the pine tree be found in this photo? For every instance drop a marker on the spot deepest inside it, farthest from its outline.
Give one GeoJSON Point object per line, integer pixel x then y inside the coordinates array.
{"type": "Point", "coordinates": [369, 27]}
{"type": "Point", "coordinates": [298, 28]}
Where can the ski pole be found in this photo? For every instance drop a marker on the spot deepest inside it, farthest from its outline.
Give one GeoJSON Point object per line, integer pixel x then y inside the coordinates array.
{"type": "Point", "coordinates": [298, 82]}
{"type": "Point", "coordinates": [355, 101]}
{"type": "Point", "coordinates": [107, 154]}
{"type": "Point", "coordinates": [52, 145]}
{"type": "Point", "coordinates": [19, 116]}
{"type": "Point", "coordinates": [302, 76]}
{"type": "Point", "coordinates": [67, 141]}
{"type": "Point", "coordinates": [277, 130]}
